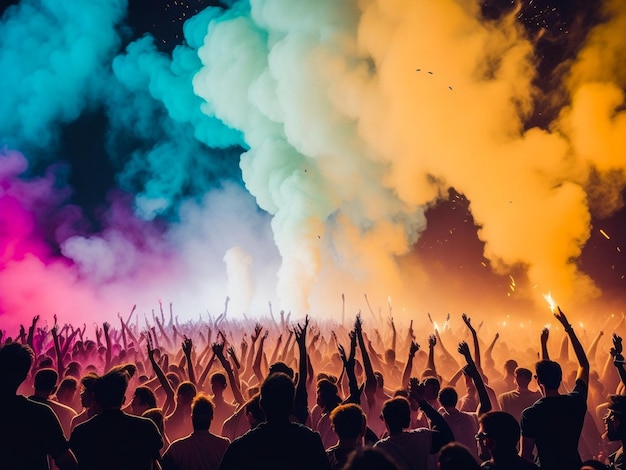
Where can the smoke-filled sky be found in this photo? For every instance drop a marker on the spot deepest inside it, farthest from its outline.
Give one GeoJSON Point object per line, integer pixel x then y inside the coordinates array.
{"type": "Point", "coordinates": [437, 155]}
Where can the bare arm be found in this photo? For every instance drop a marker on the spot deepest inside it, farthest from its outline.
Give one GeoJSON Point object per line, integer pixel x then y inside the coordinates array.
{"type": "Point", "coordinates": [468, 322]}
{"type": "Point", "coordinates": [472, 371]}
{"type": "Point", "coordinates": [545, 335]}
{"type": "Point", "coordinates": [583, 362]}
{"type": "Point", "coordinates": [187, 348]}
{"type": "Point", "coordinates": [408, 367]}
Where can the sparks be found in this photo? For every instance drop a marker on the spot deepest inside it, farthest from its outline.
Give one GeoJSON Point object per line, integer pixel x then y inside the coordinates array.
{"type": "Point", "coordinates": [604, 234]}
{"type": "Point", "coordinates": [553, 305]}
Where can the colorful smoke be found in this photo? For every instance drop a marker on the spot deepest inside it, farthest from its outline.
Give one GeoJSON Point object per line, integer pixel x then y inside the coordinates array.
{"type": "Point", "coordinates": [289, 152]}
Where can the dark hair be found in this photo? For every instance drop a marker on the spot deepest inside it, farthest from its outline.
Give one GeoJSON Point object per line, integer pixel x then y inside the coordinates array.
{"type": "Point", "coordinates": [202, 412]}
{"type": "Point", "coordinates": [503, 428]}
{"type": "Point", "coordinates": [348, 421]}
{"type": "Point", "coordinates": [146, 396]}
{"type": "Point", "coordinates": [219, 378]}
{"type": "Point", "coordinates": [397, 413]}
{"type": "Point", "coordinates": [448, 397]}
{"type": "Point", "coordinates": [253, 407]}
{"type": "Point", "coordinates": [549, 373]}
{"type": "Point", "coordinates": [15, 362]}
{"type": "Point", "coordinates": [109, 390]}
{"type": "Point", "coordinates": [370, 458]}
{"type": "Point", "coordinates": [156, 416]}
{"type": "Point", "coordinates": [277, 393]}
{"type": "Point", "coordinates": [186, 391]}
{"type": "Point", "coordinates": [456, 456]}
{"type": "Point", "coordinates": [46, 379]}
{"type": "Point", "coordinates": [281, 367]}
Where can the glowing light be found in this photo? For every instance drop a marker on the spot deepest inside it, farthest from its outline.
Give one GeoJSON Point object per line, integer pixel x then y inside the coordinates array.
{"type": "Point", "coordinates": [436, 326]}
{"type": "Point", "coordinates": [553, 305]}
{"type": "Point", "coordinates": [604, 234]}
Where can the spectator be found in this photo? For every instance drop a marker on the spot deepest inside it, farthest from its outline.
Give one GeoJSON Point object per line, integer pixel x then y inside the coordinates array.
{"type": "Point", "coordinates": [498, 436]}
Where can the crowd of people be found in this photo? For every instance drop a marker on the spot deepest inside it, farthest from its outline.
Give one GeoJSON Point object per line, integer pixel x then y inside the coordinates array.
{"type": "Point", "coordinates": [235, 393]}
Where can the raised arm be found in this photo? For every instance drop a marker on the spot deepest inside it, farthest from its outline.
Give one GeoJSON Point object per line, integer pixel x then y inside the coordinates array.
{"type": "Point", "coordinates": [301, 410]}
{"type": "Point", "coordinates": [472, 371]}
{"type": "Point", "coordinates": [370, 378]}
{"type": "Point", "coordinates": [218, 350]}
{"type": "Point", "coordinates": [468, 322]}
{"type": "Point", "coordinates": [165, 384]}
{"type": "Point", "coordinates": [187, 349]}
{"type": "Point", "coordinates": [618, 358]}
{"type": "Point", "coordinates": [583, 362]}
{"type": "Point", "coordinates": [591, 353]}
{"type": "Point", "coordinates": [348, 366]}
{"type": "Point", "coordinates": [256, 367]}
{"type": "Point", "coordinates": [545, 335]}
{"type": "Point", "coordinates": [408, 367]}
{"type": "Point", "coordinates": [432, 342]}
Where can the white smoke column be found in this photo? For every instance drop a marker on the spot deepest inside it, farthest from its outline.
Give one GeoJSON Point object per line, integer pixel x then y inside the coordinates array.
{"type": "Point", "coordinates": [240, 282]}
{"type": "Point", "coordinates": [274, 75]}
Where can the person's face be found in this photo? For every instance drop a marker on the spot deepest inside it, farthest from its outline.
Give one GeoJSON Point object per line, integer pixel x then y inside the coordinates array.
{"type": "Point", "coordinates": [612, 424]}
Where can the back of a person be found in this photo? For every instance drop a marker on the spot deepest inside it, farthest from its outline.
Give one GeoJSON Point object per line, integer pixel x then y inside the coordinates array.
{"type": "Point", "coordinates": [464, 427]}
{"type": "Point", "coordinates": [30, 431]}
{"type": "Point", "coordinates": [516, 401]}
{"type": "Point", "coordinates": [556, 424]}
{"type": "Point", "coordinates": [410, 449]}
{"type": "Point", "coordinates": [277, 446]}
{"type": "Point", "coordinates": [516, 463]}
{"type": "Point", "coordinates": [116, 440]}
{"type": "Point", "coordinates": [199, 451]}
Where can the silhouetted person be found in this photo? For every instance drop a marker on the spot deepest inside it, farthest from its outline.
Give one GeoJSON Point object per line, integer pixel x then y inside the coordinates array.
{"type": "Point", "coordinates": [278, 443]}
{"type": "Point", "coordinates": [498, 436]}
{"type": "Point", "coordinates": [87, 400]}
{"type": "Point", "coordinates": [201, 450]}
{"type": "Point", "coordinates": [413, 449]}
{"type": "Point", "coordinates": [370, 458]}
{"type": "Point", "coordinates": [143, 400]}
{"type": "Point", "coordinates": [178, 423]}
{"type": "Point", "coordinates": [456, 456]}
{"type": "Point", "coordinates": [554, 423]}
{"type": "Point", "coordinates": [349, 423]}
{"type": "Point", "coordinates": [30, 431]}
{"type": "Point", "coordinates": [223, 409]}
{"type": "Point", "coordinates": [113, 439]}
{"type": "Point", "coordinates": [45, 386]}
{"type": "Point", "coordinates": [517, 400]}
{"type": "Point", "coordinates": [615, 422]}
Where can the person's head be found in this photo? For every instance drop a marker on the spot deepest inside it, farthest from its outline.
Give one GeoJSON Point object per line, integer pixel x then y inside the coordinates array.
{"type": "Point", "coordinates": [455, 456]}
{"type": "Point", "coordinates": [143, 400]}
{"type": "Point", "coordinates": [67, 390]}
{"type": "Point", "coordinates": [277, 393]}
{"type": "Point", "coordinates": [201, 412]}
{"type": "Point", "coordinates": [448, 397]}
{"type": "Point", "coordinates": [431, 390]}
{"type": "Point", "coordinates": [185, 393]}
{"type": "Point", "coordinates": [615, 419]}
{"type": "Point", "coordinates": [348, 421]}
{"type": "Point", "coordinates": [15, 362]}
{"type": "Point", "coordinates": [73, 369]}
{"type": "Point", "coordinates": [280, 366]}
{"type": "Point", "coordinates": [510, 366]}
{"type": "Point", "coordinates": [523, 377]}
{"type": "Point", "coordinates": [326, 394]}
{"type": "Point", "coordinates": [498, 433]}
{"type": "Point", "coordinates": [156, 416]}
{"type": "Point", "coordinates": [397, 414]}
{"type": "Point", "coordinates": [370, 458]}
{"type": "Point", "coordinates": [218, 383]}
{"type": "Point", "coordinates": [46, 381]}
{"type": "Point", "coordinates": [254, 413]}
{"type": "Point", "coordinates": [86, 390]}
{"type": "Point", "coordinates": [549, 374]}
{"type": "Point", "coordinates": [110, 389]}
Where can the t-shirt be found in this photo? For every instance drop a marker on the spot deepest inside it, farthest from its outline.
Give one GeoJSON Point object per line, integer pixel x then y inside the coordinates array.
{"type": "Point", "coordinates": [114, 439]}
{"type": "Point", "coordinates": [464, 426]}
{"type": "Point", "coordinates": [277, 446]}
{"type": "Point", "coordinates": [410, 449]}
{"type": "Point", "coordinates": [556, 423]}
{"type": "Point", "coordinates": [516, 401]}
{"type": "Point", "coordinates": [338, 456]}
{"type": "Point", "coordinates": [30, 432]}
{"type": "Point", "coordinates": [200, 450]}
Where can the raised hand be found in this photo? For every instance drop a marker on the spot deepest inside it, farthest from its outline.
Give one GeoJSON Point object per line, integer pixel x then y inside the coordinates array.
{"type": "Point", "coordinates": [413, 348]}
{"type": "Point", "coordinates": [257, 331]}
{"type": "Point", "coordinates": [218, 349]}
{"type": "Point", "coordinates": [464, 350]}
{"type": "Point", "coordinates": [468, 322]}
{"type": "Point", "coordinates": [560, 316]}
{"type": "Point", "coordinates": [187, 346]}
{"type": "Point", "coordinates": [617, 345]}
{"type": "Point", "coordinates": [545, 334]}
{"type": "Point", "coordinates": [432, 341]}
{"type": "Point", "coordinates": [416, 389]}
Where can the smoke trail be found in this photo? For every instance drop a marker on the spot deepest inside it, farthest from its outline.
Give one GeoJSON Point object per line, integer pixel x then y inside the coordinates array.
{"type": "Point", "coordinates": [364, 113]}
{"type": "Point", "coordinates": [51, 55]}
